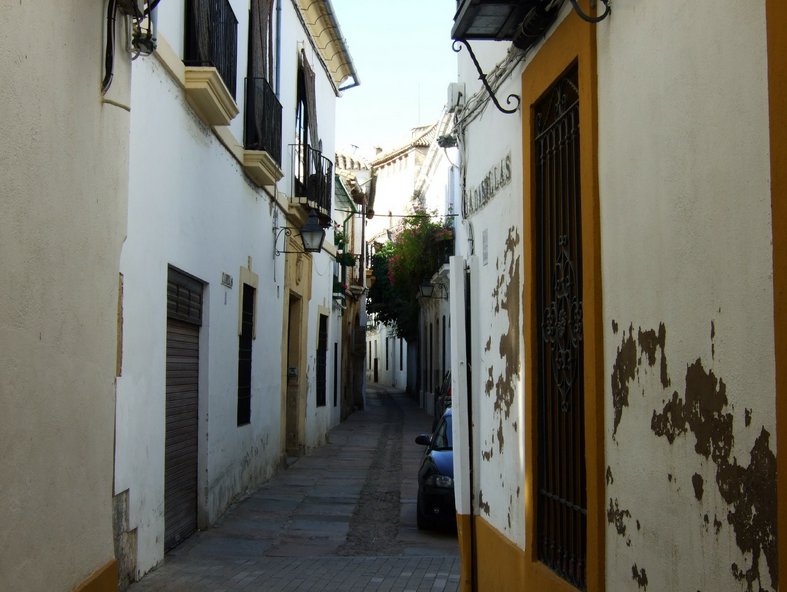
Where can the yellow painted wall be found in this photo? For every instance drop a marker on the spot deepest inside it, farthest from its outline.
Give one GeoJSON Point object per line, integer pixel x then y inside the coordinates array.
{"type": "Point", "coordinates": [574, 41]}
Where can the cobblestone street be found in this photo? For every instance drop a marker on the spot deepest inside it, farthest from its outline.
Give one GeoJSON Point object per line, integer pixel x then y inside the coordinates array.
{"type": "Point", "coordinates": [340, 519]}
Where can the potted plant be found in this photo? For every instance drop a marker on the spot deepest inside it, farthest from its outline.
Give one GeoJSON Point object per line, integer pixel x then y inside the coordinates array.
{"type": "Point", "coordinates": [346, 259]}
{"type": "Point", "coordinates": [339, 287]}
{"type": "Point", "coordinates": [339, 238]}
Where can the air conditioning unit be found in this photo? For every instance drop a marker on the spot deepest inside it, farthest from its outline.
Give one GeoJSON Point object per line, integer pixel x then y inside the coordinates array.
{"type": "Point", "coordinates": [456, 96]}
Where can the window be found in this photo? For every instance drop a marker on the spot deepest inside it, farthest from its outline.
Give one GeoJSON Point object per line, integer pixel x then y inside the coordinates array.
{"type": "Point", "coordinates": [322, 354]}
{"type": "Point", "coordinates": [443, 436]}
{"type": "Point", "coordinates": [245, 341]}
{"type": "Point", "coordinates": [262, 129]}
{"type": "Point", "coordinates": [335, 374]}
{"type": "Point", "coordinates": [442, 365]}
{"type": "Point", "coordinates": [312, 172]}
{"type": "Point", "coordinates": [561, 476]}
{"type": "Point", "coordinates": [437, 332]}
{"type": "Point", "coordinates": [430, 361]}
{"type": "Point", "coordinates": [211, 38]}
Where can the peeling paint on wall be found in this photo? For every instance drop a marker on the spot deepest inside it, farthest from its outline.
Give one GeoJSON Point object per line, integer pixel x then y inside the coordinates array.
{"type": "Point", "coordinates": [696, 480]}
{"type": "Point", "coordinates": [509, 286]}
{"type": "Point", "coordinates": [622, 373]}
{"type": "Point", "coordinates": [649, 342]}
{"type": "Point", "coordinates": [700, 412]}
{"type": "Point", "coordinates": [751, 491]}
{"type": "Point", "coordinates": [482, 504]}
{"type": "Point", "coordinates": [616, 517]}
{"type": "Point", "coordinates": [501, 359]}
{"type": "Point", "coordinates": [639, 576]}
{"type": "Point", "coordinates": [704, 410]}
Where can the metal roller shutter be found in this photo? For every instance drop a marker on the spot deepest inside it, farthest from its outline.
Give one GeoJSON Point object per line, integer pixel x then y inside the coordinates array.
{"type": "Point", "coordinates": [184, 311]}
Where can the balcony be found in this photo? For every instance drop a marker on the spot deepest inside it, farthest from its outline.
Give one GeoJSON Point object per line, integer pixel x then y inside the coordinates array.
{"type": "Point", "coordinates": [262, 133]}
{"type": "Point", "coordinates": [312, 181]}
{"type": "Point", "coordinates": [210, 57]}
{"type": "Point", "coordinates": [520, 21]}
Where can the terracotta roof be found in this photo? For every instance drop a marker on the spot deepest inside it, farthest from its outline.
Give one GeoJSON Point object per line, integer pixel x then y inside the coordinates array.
{"type": "Point", "coordinates": [422, 137]}
{"type": "Point", "coordinates": [347, 162]}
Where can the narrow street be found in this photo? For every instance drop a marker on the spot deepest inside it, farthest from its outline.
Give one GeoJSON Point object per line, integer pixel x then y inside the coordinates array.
{"type": "Point", "coordinates": [340, 519]}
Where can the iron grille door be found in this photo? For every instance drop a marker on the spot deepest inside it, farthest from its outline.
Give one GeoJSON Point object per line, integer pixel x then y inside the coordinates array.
{"type": "Point", "coordinates": [562, 499]}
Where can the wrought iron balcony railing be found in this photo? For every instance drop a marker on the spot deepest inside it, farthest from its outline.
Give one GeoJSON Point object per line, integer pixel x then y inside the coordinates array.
{"type": "Point", "coordinates": [262, 130]}
{"type": "Point", "coordinates": [211, 38]}
{"type": "Point", "coordinates": [312, 180]}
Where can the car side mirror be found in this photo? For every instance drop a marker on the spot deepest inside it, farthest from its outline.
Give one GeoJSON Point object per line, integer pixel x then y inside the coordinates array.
{"type": "Point", "coordinates": [423, 440]}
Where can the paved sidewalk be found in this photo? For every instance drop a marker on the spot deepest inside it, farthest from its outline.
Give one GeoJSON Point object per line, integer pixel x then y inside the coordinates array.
{"type": "Point", "coordinates": [340, 519]}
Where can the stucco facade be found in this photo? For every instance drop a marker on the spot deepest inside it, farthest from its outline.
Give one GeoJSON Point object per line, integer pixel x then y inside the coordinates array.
{"type": "Point", "coordinates": [418, 171]}
{"type": "Point", "coordinates": [63, 170]}
{"type": "Point", "coordinates": [679, 303]}
{"type": "Point", "coordinates": [200, 213]}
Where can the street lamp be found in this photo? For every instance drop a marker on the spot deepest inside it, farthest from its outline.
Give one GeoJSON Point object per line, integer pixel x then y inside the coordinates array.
{"type": "Point", "coordinates": [312, 235]}
{"type": "Point", "coordinates": [427, 290]}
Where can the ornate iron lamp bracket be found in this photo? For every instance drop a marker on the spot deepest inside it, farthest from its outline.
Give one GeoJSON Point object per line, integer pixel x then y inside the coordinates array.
{"type": "Point", "coordinates": [276, 234]}
{"type": "Point", "coordinates": [482, 78]}
{"type": "Point", "coordinates": [592, 19]}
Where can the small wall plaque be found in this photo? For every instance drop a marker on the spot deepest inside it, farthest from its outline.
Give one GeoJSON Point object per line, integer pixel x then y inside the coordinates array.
{"type": "Point", "coordinates": [226, 280]}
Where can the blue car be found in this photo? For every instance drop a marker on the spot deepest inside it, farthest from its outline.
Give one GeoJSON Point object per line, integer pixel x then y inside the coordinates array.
{"type": "Point", "coordinates": [435, 503]}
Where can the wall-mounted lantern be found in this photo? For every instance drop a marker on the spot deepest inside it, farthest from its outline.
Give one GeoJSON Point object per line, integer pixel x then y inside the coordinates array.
{"type": "Point", "coordinates": [312, 235]}
{"type": "Point", "coordinates": [430, 290]}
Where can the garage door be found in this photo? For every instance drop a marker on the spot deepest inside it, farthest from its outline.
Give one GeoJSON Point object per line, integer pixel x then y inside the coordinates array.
{"type": "Point", "coordinates": [184, 314]}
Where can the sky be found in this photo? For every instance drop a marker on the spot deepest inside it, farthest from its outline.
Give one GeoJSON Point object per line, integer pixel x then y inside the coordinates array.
{"type": "Point", "coordinates": [402, 52]}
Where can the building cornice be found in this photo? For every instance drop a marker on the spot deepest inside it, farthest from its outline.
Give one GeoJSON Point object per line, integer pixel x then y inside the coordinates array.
{"type": "Point", "coordinates": [319, 20]}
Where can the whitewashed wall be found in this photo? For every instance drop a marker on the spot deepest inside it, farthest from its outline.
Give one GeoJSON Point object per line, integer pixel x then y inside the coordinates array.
{"type": "Point", "coordinates": [191, 206]}
{"type": "Point", "coordinates": [395, 182]}
{"type": "Point", "coordinates": [378, 336]}
{"type": "Point", "coordinates": [496, 305]}
{"type": "Point", "coordinates": [687, 278]}
{"type": "Point", "coordinates": [318, 420]}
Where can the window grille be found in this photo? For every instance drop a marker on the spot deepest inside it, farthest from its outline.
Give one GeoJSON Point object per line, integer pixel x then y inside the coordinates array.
{"type": "Point", "coordinates": [335, 374]}
{"type": "Point", "coordinates": [322, 355]}
{"type": "Point", "coordinates": [562, 499]}
{"type": "Point", "coordinates": [262, 125]}
{"type": "Point", "coordinates": [244, 356]}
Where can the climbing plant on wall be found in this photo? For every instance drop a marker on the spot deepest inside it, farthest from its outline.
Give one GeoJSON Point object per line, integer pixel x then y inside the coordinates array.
{"type": "Point", "coordinates": [422, 242]}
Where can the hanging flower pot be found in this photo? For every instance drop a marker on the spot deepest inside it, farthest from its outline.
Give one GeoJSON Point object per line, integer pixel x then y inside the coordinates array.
{"type": "Point", "coordinates": [346, 259]}
{"type": "Point", "coordinates": [339, 288]}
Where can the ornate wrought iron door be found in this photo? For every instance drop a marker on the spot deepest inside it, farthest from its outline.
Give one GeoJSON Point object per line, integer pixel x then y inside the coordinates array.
{"type": "Point", "coordinates": [562, 505]}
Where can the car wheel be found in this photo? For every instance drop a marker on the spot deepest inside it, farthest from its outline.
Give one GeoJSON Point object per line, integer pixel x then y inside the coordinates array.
{"type": "Point", "coordinates": [423, 522]}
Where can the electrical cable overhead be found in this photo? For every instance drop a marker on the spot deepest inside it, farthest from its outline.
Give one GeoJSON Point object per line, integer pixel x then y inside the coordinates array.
{"type": "Point", "coordinates": [109, 54]}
